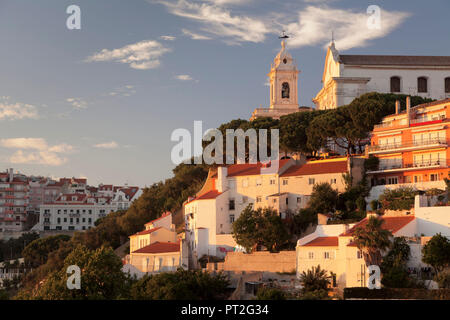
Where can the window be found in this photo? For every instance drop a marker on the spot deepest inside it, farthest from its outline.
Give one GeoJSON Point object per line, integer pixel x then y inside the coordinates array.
{"type": "Point", "coordinates": [287, 201]}
{"type": "Point", "coordinates": [272, 181]}
{"type": "Point", "coordinates": [311, 181]}
{"type": "Point", "coordinates": [299, 199]}
{"type": "Point", "coordinates": [326, 255]}
{"type": "Point", "coordinates": [359, 254]}
{"type": "Point", "coordinates": [333, 181]}
{"type": "Point", "coordinates": [245, 183]}
{"type": "Point", "coordinates": [285, 90]}
{"type": "Point", "coordinates": [310, 255]}
{"type": "Point", "coordinates": [258, 182]}
{"type": "Point", "coordinates": [447, 85]}
{"type": "Point", "coordinates": [285, 182]}
{"type": "Point", "coordinates": [395, 84]}
{"type": "Point", "coordinates": [231, 218]}
{"type": "Point", "coordinates": [422, 84]}
{"type": "Point", "coordinates": [231, 205]}
{"type": "Point", "coordinates": [258, 199]}
{"type": "Point", "coordinates": [434, 177]}
{"type": "Point", "coordinates": [392, 180]}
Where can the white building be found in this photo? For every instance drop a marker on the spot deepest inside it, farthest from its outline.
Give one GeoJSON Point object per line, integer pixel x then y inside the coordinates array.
{"type": "Point", "coordinates": [346, 77]}
{"type": "Point", "coordinates": [124, 196]}
{"type": "Point", "coordinates": [73, 212]}
{"type": "Point", "coordinates": [226, 193]}
{"type": "Point", "coordinates": [332, 246]}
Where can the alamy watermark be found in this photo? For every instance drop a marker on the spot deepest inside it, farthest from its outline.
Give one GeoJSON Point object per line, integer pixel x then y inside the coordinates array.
{"type": "Point", "coordinates": [74, 279]}
{"type": "Point", "coordinates": [74, 20]}
{"type": "Point", "coordinates": [251, 145]}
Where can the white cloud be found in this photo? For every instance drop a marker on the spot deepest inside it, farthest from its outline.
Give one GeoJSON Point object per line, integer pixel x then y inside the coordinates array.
{"type": "Point", "coordinates": [107, 145]}
{"type": "Point", "coordinates": [142, 55]}
{"type": "Point", "coordinates": [195, 36]}
{"type": "Point", "coordinates": [219, 21]}
{"type": "Point", "coordinates": [36, 151]}
{"type": "Point", "coordinates": [315, 25]}
{"type": "Point", "coordinates": [124, 91]}
{"type": "Point", "coordinates": [168, 38]}
{"type": "Point", "coordinates": [184, 77]}
{"type": "Point", "coordinates": [17, 111]}
{"type": "Point", "coordinates": [77, 103]}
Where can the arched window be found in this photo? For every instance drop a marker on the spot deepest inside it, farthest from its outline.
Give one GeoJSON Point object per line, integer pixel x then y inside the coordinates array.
{"type": "Point", "coordinates": [395, 84]}
{"type": "Point", "coordinates": [422, 84]}
{"type": "Point", "coordinates": [447, 85]}
{"type": "Point", "coordinates": [285, 90]}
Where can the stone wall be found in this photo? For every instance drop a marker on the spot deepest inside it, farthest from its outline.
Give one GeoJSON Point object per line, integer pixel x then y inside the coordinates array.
{"type": "Point", "coordinates": [283, 261]}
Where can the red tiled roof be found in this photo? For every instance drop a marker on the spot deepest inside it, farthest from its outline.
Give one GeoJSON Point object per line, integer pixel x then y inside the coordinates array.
{"type": "Point", "coordinates": [316, 168]}
{"type": "Point", "coordinates": [323, 242]}
{"type": "Point", "coordinates": [165, 214]}
{"type": "Point", "coordinates": [160, 247]}
{"type": "Point", "coordinates": [393, 224]}
{"type": "Point", "coordinates": [141, 233]}
{"type": "Point", "coordinates": [248, 169]}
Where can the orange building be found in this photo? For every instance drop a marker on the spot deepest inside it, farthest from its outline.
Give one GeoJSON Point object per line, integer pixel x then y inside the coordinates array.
{"type": "Point", "coordinates": [412, 145]}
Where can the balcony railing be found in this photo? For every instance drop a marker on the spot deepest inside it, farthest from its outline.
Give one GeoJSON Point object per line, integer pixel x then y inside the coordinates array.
{"type": "Point", "coordinates": [410, 144]}
{"type": "Point", "coordinates": [441, 163]}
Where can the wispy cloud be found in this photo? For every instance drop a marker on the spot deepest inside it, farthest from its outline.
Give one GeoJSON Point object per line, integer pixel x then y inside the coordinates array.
{"type": "Point", "coordinates": [124, 91]}
{"type": "Point", "coordinates": [315, 25]}
{"type": "Point", "coordinates": [142, 55]}
{"type": "Point", "coordinates": [36, 151]}
{"type": "Point", "coordinates": [107, 145]}
{"type": "Point", "coordinates": [77, 103]}
{"type": "Point", "coordinates": [195, 36]}
{"type": "Point", "coordinates": [184, 77]}
{"type": "Point", "coordinates": [219, 21]}
{"type": "Point", "coordinates": [16, 110]}
{"type": "Point", "coordinates": [168, 38]}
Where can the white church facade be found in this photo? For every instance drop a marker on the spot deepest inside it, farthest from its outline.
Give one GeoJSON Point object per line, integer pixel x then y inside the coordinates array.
{"type": "Point", "coordinates": [283, 77]}
{"type": "Point", "coordinates": [346, 77]}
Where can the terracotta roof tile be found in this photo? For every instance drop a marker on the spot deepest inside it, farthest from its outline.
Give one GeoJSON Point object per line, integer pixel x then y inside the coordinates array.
{"type": "Point", "coordinates": [165, 214]}
{"type": "Point", "coordinates": [323, 242]}
{"type": "Point", "coordinates": [160, 247]}
{"type": "Point", "coordinates": [393, 224]}
{"type": "Point", "coordinates": [141, 233]}
{"type": "Point", "coordinates": [316, 168]}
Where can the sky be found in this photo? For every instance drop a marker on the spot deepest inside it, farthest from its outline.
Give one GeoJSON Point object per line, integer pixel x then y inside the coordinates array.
{"type": "Point", "coordinates": [102, 101]}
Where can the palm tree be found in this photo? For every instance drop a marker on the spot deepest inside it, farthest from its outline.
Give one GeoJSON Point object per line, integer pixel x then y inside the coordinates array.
{"type": "Point", "coordinates": [372, 239]}
{"type": "Point", "coordinates": [314, 279]}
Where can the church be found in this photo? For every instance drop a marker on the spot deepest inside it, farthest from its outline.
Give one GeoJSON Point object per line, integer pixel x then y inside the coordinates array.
{"type": "Point", "coordinates": [346, 77]}
{"type": "Point", "coordinates": [283, 77]}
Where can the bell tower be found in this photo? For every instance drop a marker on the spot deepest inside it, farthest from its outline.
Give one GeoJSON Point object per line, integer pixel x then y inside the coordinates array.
{"type": "Point", "coordinates": [283, 78]}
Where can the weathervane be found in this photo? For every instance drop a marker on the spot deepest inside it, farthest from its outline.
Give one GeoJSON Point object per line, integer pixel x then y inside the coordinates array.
{"type": "Point", "coordinates": [283, 35]}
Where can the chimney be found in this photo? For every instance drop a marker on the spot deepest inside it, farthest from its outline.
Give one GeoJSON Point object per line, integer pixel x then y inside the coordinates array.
{"type": "Point", "coordinates": [222, 173]}
{"type": "Point", "coordinates": [397, 106]}
{"type": "Point", "coordinates": [408, 109]}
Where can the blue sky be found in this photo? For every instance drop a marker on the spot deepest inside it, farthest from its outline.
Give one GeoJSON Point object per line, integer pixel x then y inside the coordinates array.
{"type": "Point", "coordinates": [102, 102]}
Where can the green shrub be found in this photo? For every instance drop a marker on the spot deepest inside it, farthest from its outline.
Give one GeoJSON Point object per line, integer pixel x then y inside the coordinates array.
{"type": "Point", "coordinates": [270, 294]}
{"type": "Point", "coordinates": [315, 295]}
{"type": "Point", "coordinates": [398, 199]}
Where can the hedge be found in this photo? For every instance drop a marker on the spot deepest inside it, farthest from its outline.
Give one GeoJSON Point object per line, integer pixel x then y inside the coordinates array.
{"type": "Point", "coordinates": [396, 293]}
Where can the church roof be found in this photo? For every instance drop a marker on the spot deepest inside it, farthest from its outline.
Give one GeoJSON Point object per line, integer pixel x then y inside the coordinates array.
{"type": "Point", "coordinates": [394, 60]}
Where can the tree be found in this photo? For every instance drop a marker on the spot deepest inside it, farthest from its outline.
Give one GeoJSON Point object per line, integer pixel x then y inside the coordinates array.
{"type": "Point", "coordinates": [436, 253]}
{"type": "Point", "coordinates": [181, 285]}
{"type": "Point", "coordinates": [101, 277]}
{"type": "Point", "coordinates": [36, 252]}
{"type": "Point", "coordinates": [315, 279]}
{"type": "Point", "coordinates": [323, 198]}
{"type": "Point", "coordinates": [393, 266]}
{"type": "Point", "coordinates": [260, 227]}
{"type": "Point", "coordinates": [372, 239]}
{"type": "Point", "coordinates": [398, 199]}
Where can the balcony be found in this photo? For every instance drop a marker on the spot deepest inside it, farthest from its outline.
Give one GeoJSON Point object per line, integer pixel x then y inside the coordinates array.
{"type": "Point", "coordinates": [424, 121]}
{"type": "Point", "coordinates": [408, 146]}
{"type": "Point", "coordinates": [417, 165]}
{"type": "Point", "coordinates": [74, 215]}
{"type": "Point", "coordinates": [47, 215]}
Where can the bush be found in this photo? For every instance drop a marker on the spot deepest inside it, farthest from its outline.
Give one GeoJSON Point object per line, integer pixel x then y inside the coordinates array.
{"type": "Point", "coordinates": [315, 295]}
{"type": "Point", "coordinates": [270, 294]}
{"type": "Point", "coordinates": [374, 204]}
{"type": "Point", "coordinates": [443, 279]}
{"type": "Point", "coordinates": [398, 199]}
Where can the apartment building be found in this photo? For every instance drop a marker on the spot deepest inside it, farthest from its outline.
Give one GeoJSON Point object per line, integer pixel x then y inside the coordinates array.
{"type": "Point", "coordinates": [229, 190]}
{"type": "Point", "coordinates": [73, 211]}
{"type": "Point", "coordinates": [412, 148]}
{"type": "Point", "coordinates": [123, 197]}
{"type": "Point", "coordinates": [13, 201]}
